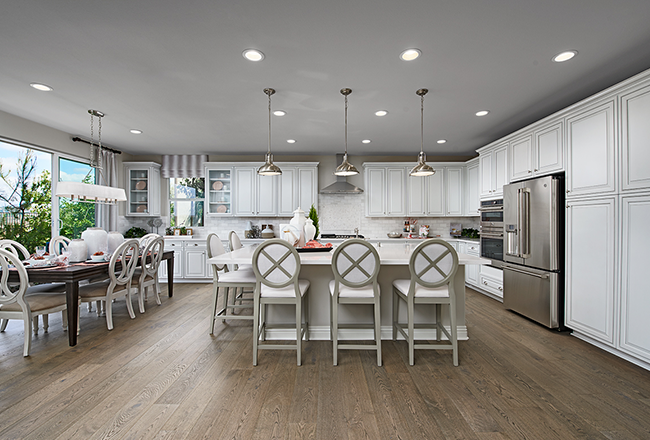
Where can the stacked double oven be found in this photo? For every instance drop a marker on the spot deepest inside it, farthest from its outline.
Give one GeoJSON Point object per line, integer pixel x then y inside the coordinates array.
{"type": "Point", "coordinates": [491, 229]}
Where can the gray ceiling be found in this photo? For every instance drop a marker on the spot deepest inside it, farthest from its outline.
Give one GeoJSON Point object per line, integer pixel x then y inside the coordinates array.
{"type": "Point", "coordinates": [174, 69]}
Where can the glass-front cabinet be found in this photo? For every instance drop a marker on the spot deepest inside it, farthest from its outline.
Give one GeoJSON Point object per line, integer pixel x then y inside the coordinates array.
{"type": "Point", "coordinates": [142, 189]}
{"type": "Point", "coordinates": [219, 189]}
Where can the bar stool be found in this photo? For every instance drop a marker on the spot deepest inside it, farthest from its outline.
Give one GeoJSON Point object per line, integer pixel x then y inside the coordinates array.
{"type": "Point", "coordinates": [277, 265]}
{"type": "Point", "coordinates": [236, 280]}
{"type": "Point", "coordinates": [235, 243]}
{"type": "Point", "coordinates": [433, 265]}
{"type": "Point", "coordinates": [355, 264]}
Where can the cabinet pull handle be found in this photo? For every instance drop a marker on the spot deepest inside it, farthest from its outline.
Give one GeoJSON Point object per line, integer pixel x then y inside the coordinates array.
{"type": "Point", "coordinates": [529, 171]}
{"type": "Point", "coordinates": [485, 282]}
{"type": "Point", "coordinates": [536, 170]}
{"type": "Point", "coordinates": [500, 288]}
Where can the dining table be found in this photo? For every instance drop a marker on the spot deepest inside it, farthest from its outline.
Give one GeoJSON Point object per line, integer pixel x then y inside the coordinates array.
{"type": "Point", "coordinates": [72, 274]}
{"type": "Point", "coordinates": [316, 267]}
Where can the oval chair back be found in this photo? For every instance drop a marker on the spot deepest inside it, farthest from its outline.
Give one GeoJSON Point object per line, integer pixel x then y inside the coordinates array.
{"type": "Point", "coordinates": [145, 239]}
{"type": "Point", "coordinates": [15, 248]}
{"type": "Point", "coordinates": [14, 292]}
{"type": "Point", "coordinates": [59, 244]}
{"type": "Point", "coordinates": [276, 264]}
{"type": "Point", "coordinates": [433, 264]}
{"type": "Point", "coordinates": [216, 248]}
{"type": "Point", "coordinates": [128, 254]}
{"type": "Point", "coordinates": [234, 241]}
{"type": "Point", "coordinates": [153, 248]}
{"type": "Point", "coordinates": [355, 263]}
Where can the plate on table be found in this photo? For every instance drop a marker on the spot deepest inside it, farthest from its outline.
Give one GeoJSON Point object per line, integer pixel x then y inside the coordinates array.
{"type": "Point", "coordinates": [39, 263]}
{"type": "Point", "coordinates": [321, 249]}
{"type": "Point", "coordinates": [141, 185]}
{"type": "Point", "coordinates": [95, 261]}
{"type": "Point", "coordinates": [218, 185]}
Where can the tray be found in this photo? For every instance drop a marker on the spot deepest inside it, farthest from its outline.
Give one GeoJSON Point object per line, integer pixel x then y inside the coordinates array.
{"type": "Point", "coordinates": [323, 249]}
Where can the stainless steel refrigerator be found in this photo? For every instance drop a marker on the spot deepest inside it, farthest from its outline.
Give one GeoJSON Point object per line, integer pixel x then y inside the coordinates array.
{"type": "Point", "coordinates": [533, 224]}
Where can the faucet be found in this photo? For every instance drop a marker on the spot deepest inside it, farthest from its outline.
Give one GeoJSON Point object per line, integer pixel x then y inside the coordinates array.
{"type": "Point", "coordinates": [356, 232]}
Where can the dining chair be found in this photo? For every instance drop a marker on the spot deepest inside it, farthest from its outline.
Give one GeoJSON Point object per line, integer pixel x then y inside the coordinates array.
{"type": "Point", "coordinates": [58, 244]}
{"type": "Point", "coordinates": [15, 248]}
{"type": "Point", "coordinates": [145, 239]}
{"type": "Point", "coordinates": [226, 280]}
{"type": "Point", "coordinates": [355, 264]}
{"type": "Point", "coordinates": [119, 283]}
{"type": "Point", "coordinates": [277, 265]}
{"type": "Point", "coordinates": [16, 304]}
{"type": "Point", "coordinates": [235, 243]}
{"type": "Point", "coordinates": [433, 265]}
{"type": "Point", "coordinates": [146, 276]}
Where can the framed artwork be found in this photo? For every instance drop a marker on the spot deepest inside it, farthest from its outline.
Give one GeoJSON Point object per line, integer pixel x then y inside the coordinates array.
{"type": "Point", "coordinates": [177, 231]}
{"type": "Point", "coordinates": [189, 231]}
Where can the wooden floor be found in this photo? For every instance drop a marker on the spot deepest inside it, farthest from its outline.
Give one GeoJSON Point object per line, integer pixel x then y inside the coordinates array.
{"type": "Point", "coordinates": [161, 376]}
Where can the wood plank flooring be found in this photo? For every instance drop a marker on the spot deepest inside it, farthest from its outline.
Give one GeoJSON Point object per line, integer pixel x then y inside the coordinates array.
{"type": "Point", "coordinates": [162, 376]}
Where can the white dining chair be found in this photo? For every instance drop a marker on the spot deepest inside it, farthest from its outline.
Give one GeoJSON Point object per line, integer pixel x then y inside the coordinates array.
{"type": "Point", "coordinates": [15, 248]}
{"type": "Point", "coordinates": [277, 265]}
{"type": "Point", "coordinates": [16, 304]}
{"type": "Point", "coordinates": [225, 280]}
{"type": "Point", "coordinates": [119, 283]}
{"type": "Point", "coordinates": [433, 265]}
{"type": "Point", "coordinates": [145, 277]}
{"type": "Point", "coordinates": [58, 244]}
{"type": "Point", "coordinates": [235, 243]}
{"type": "Point", "coordinates": [145, 239]}
{"type": "Point", "coordinates": [355, 264]}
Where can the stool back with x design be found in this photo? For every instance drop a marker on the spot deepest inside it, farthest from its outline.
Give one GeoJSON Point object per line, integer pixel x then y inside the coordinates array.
{"type": "Point", "coordinates": [276, 264]}
{"type": "Point", "coordinates": [433, 263]}
{"type": "Point", "coordinates": [355, 263]}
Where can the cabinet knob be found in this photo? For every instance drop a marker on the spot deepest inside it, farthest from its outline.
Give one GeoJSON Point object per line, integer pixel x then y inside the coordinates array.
{"type": "Point", "coordinates": [567, 191]}
{"type": "Point", "coordinates": [529, 171]}
{"type": "Point", "coordinates": [536, 170]}
{"type": "Point", "coordinates": [501, 288]}
{"type": "Point", "coordinates": [485, 282]}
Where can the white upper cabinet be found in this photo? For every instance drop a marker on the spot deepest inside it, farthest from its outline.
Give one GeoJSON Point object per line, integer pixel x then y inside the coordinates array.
{"type": "Point", "coordinates": [266, 195]}
{"type": "Point", "coordinates": [385, 191]}
{"type": "Point", "coordinates": [287, 190]}
{"type": "Point", "coordinates": [307, 187]}
{"type": "Point", "coordinates": [435, 197]}
{"type": "Point", "coordinates": [591, 151]}
{"type": "Point", "coordinates": [472, 188]}
{"type": "Point", "coordinates": [454, 183]}
{"type": "Point", "coordinates": [396, 191]}
{"type": "Point", "coordinates": [493, 164]}
{"type": "Point", "coordinates": [416, 202]}
{"type": "Point", "coordinates": [219, 190]}
{"type": "Point", "coordinates": [537, 153]}
{"type": "Point", "coordinates": [375, 192]}
{"type": "Point", "coordinates": [635, 136]}
{"type": "Point", "coordinates": [142, 189]}
{"type": "Point", "coordinates": [245, 191]}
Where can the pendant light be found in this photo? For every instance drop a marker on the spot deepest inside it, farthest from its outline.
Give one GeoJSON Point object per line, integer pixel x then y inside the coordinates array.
{"type": "Point", "coordinates": [269, 168]}
{"type": "Point", "coordinates": [89, 192]}
{"type": "Point", "coordinates": [422, 169]}
{"type": "Point", "coordinates": [346, 168]}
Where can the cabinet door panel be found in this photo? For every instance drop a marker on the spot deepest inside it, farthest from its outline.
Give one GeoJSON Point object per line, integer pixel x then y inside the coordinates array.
{"type": "Point", "coordinates": [244, 191]}
{"type": "Point", "coordinates": [287, 203]}
{"type": "Point", "coordinates": [195, 263]}
{"type": "Point", "coordinates": [485, 163]}
{"type": "Point", "coordinates": [416, 203]}
{"type": "Point", "coordinates": [549, 151]}
{"type": "Point", "coordinates": [591, 151]}
{"type": "Point", "coordinates": [521, 157]}
{"type": "Point", "coordinates": [590, 268]}
{"type": "Point", "coordinates": [376, 187]}
{"type": "Point", "coordinates": [635, 301]}
{"type": "Point", "coordinates": [266, 195]}
{"type": "Point", "coordinates": [436, 192]}
{"type": "Point", "coordinates": [307, 188]}
{"type": "Point", "coordinates": [454, 179]}
{"type": "Point", "coordinates": [473, 190]}
{"type": "Point", "coordinates": [396, 191]}
{"type": "Point", "coordinates": [500, 169]}
{"type": "Point", "coordinates": [636, 139]}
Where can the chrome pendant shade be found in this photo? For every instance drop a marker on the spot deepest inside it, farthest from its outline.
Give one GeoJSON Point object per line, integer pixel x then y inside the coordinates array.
{"type": "Point", "coordinates": [346, 168]}
{"type": "Point", "coordinates": [269, 168]}
{"type": "Point", "coordinates": [89, 192]}
{"type": "Point", "coordinates": [421, 169]}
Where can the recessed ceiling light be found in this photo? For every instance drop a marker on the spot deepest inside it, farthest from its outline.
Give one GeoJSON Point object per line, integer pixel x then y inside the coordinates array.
{"type": "Point", "coordinates": [279, 113]}
{"type": "Point", "coordinates": [381, 113]}
{"type": "Point", "coordinates": [410, 54]}
{"type": "Point", "coordinates": [366, 141]}
{"type": "Point", "coordinates": [42, 87]}
{"type": "Point", "coordinates": [565, 56]}
{"type": "Point", "coordinates": [253, 55]}
{"type": "Point", "coordinates": [135, 131]}
{"type": "Point", "coordinates": [442, 141]}
{"type": "Point", "coordinates": [291, 141]}
{"type": "Point", "coordinates": [482, 113]}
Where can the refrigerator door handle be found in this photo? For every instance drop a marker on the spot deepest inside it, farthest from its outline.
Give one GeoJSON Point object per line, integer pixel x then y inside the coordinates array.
{"type": "Point", "coordinates": [542, 276]}
{"type": "Point", "coordinates": [523, 202]}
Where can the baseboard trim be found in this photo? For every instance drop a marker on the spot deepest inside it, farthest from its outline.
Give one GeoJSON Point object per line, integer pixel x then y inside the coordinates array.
{"type": "Point", "coordinates": [612, 350]}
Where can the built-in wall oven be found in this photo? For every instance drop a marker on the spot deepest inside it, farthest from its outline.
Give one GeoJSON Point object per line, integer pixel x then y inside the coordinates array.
{"type": "Point", "coordinates": [491, 229]}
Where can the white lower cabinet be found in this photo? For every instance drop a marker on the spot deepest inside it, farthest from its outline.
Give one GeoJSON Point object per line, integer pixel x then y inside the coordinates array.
{"type": "Point", "coordinates": [590, 268]}
{"type": "Point", "coordinates": [190, 261]}
{"type": "Point", "coordinates": [490, 279]}
{"type": "Point", "coordinates": [635, 295]}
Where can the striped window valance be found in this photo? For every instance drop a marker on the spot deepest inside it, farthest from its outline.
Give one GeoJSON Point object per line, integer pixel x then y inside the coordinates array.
{"type": "Point", "coordinates": [183, 165]}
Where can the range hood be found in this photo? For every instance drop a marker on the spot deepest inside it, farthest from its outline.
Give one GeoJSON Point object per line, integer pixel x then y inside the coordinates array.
{"type": "Point", "coordinates": [341, 186]}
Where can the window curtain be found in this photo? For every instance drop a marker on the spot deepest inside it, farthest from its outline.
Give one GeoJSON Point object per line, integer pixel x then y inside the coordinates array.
{"type": "Point", "coordinates": [183, 165]}
{"type": "Point", "coordinates": [106, 215]}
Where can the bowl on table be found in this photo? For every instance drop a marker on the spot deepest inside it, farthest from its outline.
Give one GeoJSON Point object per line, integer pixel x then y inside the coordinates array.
{"type": "Point", "coordinates": [394, 235]}
{"type": "Point", "coordinates": [98, 258]}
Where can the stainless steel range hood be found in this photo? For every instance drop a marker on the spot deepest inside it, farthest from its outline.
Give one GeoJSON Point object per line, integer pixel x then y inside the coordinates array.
{"type": "Point", "coordinates": [341, 186]}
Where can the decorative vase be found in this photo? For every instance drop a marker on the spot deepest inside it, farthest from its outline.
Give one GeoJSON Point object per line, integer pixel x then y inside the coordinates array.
{"type": "Point", "coordinates": [298, 221]}
{"type": "Point", "coordinates": [78, 250]}
{"type": "Point", "coordinates": [114, 240]}
{"type": "Point", "coordinates": [310, 230]}
{"type": "Point", "coordinates": [96, 239]}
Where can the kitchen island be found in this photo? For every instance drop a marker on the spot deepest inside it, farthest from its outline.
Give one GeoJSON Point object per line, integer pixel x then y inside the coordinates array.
{"type": "Point", "coordinates": [316, 267]}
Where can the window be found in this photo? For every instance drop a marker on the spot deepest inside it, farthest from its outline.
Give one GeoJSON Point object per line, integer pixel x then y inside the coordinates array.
{"type": "Point", "coordinates": [186, 201]}
{"type": "Point", "coordinates": [75, 217]}
{"type": "Point", "coordinates": [25, 195]}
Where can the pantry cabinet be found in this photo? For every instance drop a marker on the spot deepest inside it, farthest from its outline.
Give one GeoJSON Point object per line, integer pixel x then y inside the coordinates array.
{"type": "Point", "coordinates": [591, 150]}
{"type": "Point", "coordinates": [591, 249]}
{"type": "Point", "coordinates": [538, 152]}
{"type": "Point", "coordinates": [142, 189]}
{"type": "Point", "coordinates": [635, 139]}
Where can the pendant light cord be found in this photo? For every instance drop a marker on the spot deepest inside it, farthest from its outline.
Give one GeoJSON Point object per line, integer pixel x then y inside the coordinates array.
{"type": "Point", "coordinates": [346, 125]}
{"type": "Point", "coordinates": [269, 149]}
{"type": "Point", "coordinates": [421, 123]}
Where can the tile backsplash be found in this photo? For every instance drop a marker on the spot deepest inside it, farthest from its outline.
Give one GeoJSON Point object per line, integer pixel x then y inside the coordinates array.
{"type": "Point", "coordinates": [337, 213]}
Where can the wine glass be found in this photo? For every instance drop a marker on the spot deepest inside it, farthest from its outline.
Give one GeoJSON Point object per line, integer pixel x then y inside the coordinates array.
{"type": "Point", "coordinates": [40, 251]}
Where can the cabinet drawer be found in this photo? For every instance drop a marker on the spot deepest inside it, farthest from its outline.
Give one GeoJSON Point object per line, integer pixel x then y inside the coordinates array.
{"type": "Point", "coordinates": [491, 285]}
